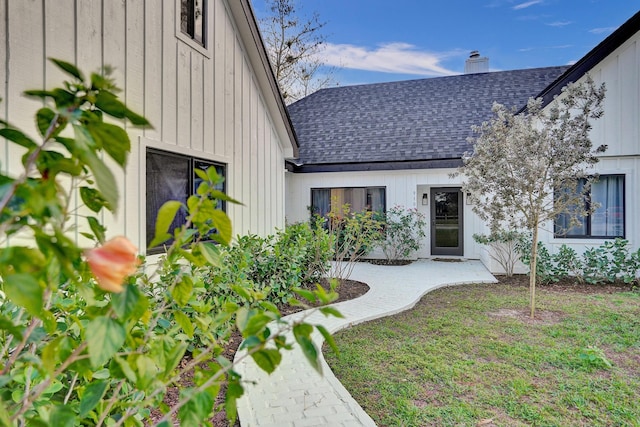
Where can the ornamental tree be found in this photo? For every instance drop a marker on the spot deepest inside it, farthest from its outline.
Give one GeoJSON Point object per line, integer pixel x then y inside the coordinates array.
{"type": "Point", "coordinates": [526, 167]}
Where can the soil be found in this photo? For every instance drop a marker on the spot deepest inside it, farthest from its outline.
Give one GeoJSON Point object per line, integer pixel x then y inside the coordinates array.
{"type": "Point", "coordinates": [347, 290]}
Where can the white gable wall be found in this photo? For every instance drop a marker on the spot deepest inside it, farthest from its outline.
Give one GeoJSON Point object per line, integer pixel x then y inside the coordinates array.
{"type": "Point", "coordinates": [619, 129]}
{"type": "Point", "coordinates": [209, 103]}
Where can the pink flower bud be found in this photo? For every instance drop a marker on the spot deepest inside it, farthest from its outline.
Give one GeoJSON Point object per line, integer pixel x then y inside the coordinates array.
{"type": "Point", "coordinates": [113, 262]}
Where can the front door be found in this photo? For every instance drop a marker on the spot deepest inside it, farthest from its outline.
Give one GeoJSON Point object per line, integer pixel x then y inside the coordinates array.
{"type": "Point", "coordinates": [446, 221]}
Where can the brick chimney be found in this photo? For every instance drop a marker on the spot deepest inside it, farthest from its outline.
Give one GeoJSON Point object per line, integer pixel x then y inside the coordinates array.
{"type": "Point", "coordinates": [476, 63]}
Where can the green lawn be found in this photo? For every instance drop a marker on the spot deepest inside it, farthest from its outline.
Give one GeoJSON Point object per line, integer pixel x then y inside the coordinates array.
{"type": "Point", "coordinates": [464, 357]}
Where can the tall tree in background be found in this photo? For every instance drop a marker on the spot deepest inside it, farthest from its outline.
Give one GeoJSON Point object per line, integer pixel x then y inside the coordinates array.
{"type": "Point", "coordinates": [525, 168]}
{"type": "Point", "coordinates": [293, 42]}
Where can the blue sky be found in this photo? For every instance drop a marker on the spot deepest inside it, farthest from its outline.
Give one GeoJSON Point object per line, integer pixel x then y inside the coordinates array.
{"type": "Point", "coordinates": [385, 40]}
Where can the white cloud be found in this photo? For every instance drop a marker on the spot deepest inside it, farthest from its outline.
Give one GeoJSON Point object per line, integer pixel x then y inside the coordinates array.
{"type": "Point", "coordinates": [403, 58]}
{"type": "Point", "coordinates": [526, 4]}
{"type": "Point", "coordinates": [560, 23]}
{"type": "Point", "coordinates": [602, 30]}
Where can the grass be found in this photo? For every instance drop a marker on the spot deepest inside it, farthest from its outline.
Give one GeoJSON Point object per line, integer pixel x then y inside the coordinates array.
{"type": "Point", "coordinates": [465, 356]}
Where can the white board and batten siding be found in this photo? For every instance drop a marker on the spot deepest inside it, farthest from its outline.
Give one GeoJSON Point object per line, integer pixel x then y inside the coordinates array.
{"type": "Point", "coordinates": [619, 129]}
{"type": "Point", "coordinates": [213, 103]}
{"type": "Point", "coordinates": [402, 188]}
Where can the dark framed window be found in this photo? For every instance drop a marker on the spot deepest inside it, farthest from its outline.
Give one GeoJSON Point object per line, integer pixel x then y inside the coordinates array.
{"type": "Point", "coordinates": [359, 199]}
{"type": "Point", "coordinates": [171, 176]}
{"type": "Point", "coordinates": [193, 20]}
{"type": "Point", "coordinates": [607, 219]}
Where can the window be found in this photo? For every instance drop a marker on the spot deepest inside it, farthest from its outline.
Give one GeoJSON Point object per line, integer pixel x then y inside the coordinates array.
{"type": "Point", "coordinates": [193, 19]}
{"type": "Point", "coordinates": [171, 177]}
{"type": "Point", "coordinates": [607, 220]}
{"type": "Point", "coordinates": [360, 199]}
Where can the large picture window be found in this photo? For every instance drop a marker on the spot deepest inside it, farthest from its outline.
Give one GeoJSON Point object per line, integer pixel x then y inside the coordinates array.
{"type": "Point", "coordinates": [359, 199]}
{"type": "Point", "coordinates": [606, 220]}
{"type": "Point", "coordinates": [171, 176]}
{"type": "Point", "coordinates": [192, 20]}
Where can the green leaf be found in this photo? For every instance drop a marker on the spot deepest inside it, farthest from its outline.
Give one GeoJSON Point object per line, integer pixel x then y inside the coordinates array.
{"type": "Point", "coordinates": [222, 223]}
{"type": "Point", "coordinates": [51, 355]}
{"type": "Point", "coordinates": [24, 290]}
{"type": "Point", "coordinates": [92, 199]}
{"type": "Point", "coordinates": [92, 396]}
{"type": "Point", "coordinates": [182, 291]}
{"type": "Point", "coordinates": [328, 338]}
{"type": "Point", "coordinates": [183, 321]}
{"type": "Point", "coordinates": [330, 311]}
{"type": "Point", "coordinates": [210, 252]}
{"type": "Point", "coordinates": [68, 68]}
{"type": "Point", "coordinates": [166, 215]}
{"type": "Point", "coordinates": [18, 137]}
{"type": "Point", "coordinates": [129, 304]}
{"type": "Point", "coordinates": [98, 229]}
{"type": "Point", "coordinates": [219, 195]}
{"type": "Point", "coordinates": [44, 118]}
{"type": "Point", "coordinates": [7, 325]}
{"type": "Point", "coordinates": [173, 357]}
{"type": "Point", "coordinates": [110, 104]}
{"type": "Point", "coordinates": [113, 139]}
{"type": "Point", "coordinates": [136, 119]}
{"type": "Point", "coordinates": [105, 336]}
{"type": "Point", "coordinates": [256, 324]}
{"type": "Point", "coordinates": [201, 174]}
{"type": "Point", "coordinates": [306, 294]}
{"type": "Point", "coordinates": [62, 416]}
{"type": "Point", "coordinates": [234, 392]}
{"type": "Point", "coordinates": [267, 359]}
{"type": "Point", "coordinates": [196, 410]}
{"type": "Point", "coordinates": [302, 333]}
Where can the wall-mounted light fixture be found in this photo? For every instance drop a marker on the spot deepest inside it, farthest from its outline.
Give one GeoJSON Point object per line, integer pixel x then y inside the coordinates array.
{"type": "Point", "coordinates": [425, 199]}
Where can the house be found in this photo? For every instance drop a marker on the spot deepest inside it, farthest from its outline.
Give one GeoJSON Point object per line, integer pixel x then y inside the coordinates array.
{"type": "Point", "coordinates": [197, 69]}
{"type": "Point", "coordinates": [379, 145]}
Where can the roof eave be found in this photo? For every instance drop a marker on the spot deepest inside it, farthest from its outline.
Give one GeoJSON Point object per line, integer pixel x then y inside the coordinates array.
{"type": "Point", "coordinates": [447, 163]}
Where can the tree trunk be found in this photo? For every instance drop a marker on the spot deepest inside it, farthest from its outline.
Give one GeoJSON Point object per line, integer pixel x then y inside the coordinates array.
{"type": "Point", "coordinates": [534, 269]}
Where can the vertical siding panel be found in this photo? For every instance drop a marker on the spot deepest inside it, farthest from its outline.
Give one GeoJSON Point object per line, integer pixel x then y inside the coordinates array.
{"type": "Point", "coordinates": [208, 115]}
{"type": "Point", "coordinates": [239, 137]}
{"type": "Point", "coordinates": [197, 101]}
{"type": "Point", "coordinates": [246, 148]}
{"type": "Point", "coordinates": [24, 72]}
{"type": "Point", "coordinates": [230, 93]}
{"type": "Point", "coordinates": [260, 208]}
{"type": "Point", "coordinates": [4, 28]}
{"type": "Point", "coordinates": [629, 113]}
{"type": "Point", "coordinates": [153, 75]}
{"type": "Point", "coordinates": [134, 206]}
{"type": "Point", "coordinates": [169, 64]}
{"type": "Point", "coordinates": [114, 55]}
{"type": "Point", "coordinates": [89, 29]}
{"type": "Point", "coordinates": [253, 161]}
{"type": "Point", "coordinates": [59, 26]}
{"type": "Point", "coordinates": [183, 84]}
{"type": "Point", "coordinates": [219, 17]}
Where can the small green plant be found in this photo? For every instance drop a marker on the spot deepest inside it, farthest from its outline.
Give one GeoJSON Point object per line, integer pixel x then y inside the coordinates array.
{"type": "Point", "coordinates": [353, 235]}
{"type": "Point", "coordinates": [502, 248]}
{"type": "Point", "coordinates": [594, 358]}
{"type": "Point", "coordinates": [403, 232]}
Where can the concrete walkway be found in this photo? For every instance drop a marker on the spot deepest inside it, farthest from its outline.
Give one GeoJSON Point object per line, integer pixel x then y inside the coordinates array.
{"type": "Point", "coordinates": [295, 394]}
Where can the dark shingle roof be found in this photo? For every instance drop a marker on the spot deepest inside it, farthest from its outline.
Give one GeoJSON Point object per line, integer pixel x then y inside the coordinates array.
{"type": "Point", "coordinates": [405, 121]}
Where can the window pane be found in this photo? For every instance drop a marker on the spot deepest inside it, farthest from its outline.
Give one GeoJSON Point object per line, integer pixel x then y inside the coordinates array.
{"type": "Point", "coordinates": [320, 201]}
{"type": "Point", "coordinates": [608, 219]}
{"type": "Point", "coordinates": [220, 170]}
{"type": "Point", "coordinates": [359, 199]}
{"type": "Point", "coordinates": [563, 224]}
{"type": "Point", "coordinates": [185, 14]}
{"type": "Point", "coordinates": [167, 179]}
{"type": "Point", "coordinates": [198, 17]}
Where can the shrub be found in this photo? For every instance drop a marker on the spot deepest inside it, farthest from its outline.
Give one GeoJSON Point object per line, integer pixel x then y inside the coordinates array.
{"type": "Point", "coordinates": [403, 233]}
{"type": "Point", "coordinates": [502, 246]}
{"type": "Point", "coordinates": [352, 236]}
{"type": "Point", "coordinates": [607, 263]}
{"type": "Point", "coordinates": [83, 340]}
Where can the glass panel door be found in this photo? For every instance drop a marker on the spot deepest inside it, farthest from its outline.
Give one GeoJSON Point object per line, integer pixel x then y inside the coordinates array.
{"type": "Point", "coordinates": [446, 221]}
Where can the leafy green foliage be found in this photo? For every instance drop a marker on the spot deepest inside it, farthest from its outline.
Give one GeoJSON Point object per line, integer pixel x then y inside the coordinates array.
{"type": "Point", "coordinates": [403, 232]}
{"type": "Point", "coordinates": [77, 351]}
{"type": "Point", "coordinates": [610, 262]}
